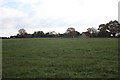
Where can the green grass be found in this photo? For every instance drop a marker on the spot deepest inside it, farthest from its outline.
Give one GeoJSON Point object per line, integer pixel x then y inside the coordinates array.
{"type": "Point", "coordinates": [60, 58]}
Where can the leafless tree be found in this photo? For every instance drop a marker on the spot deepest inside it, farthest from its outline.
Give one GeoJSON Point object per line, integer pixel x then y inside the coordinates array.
{"type": "Point", "coordinates": [22, 32]}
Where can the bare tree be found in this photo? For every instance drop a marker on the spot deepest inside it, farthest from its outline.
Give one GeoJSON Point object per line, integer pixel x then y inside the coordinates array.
{"type": "Point", "coordinates": [22, 32]}
{"type": "Point", "coordinates": [70, 32]}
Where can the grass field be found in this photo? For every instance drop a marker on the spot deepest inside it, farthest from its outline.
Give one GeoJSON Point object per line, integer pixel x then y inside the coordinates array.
{"type": "Point", "coordinates": [60, 58]}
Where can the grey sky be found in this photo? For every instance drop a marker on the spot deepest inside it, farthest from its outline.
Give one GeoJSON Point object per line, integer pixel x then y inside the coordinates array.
{"type": "Point", "coordinates": [54, 15]}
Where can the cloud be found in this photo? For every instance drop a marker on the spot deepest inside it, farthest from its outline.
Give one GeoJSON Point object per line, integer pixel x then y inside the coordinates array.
{"type": "Point", "coordinates": [10, 18]}
{"type": "Point", "coordinates": [57, 15]}
{"type": "Point", "coordinates": [11, 13]}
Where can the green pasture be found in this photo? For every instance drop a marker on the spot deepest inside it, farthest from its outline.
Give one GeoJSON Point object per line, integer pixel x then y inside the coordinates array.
{"type": "Point", "coordinates": [60, 58]}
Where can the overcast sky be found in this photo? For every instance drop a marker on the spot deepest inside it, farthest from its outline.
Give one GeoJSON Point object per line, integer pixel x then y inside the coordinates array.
{"type": "Point", "coordinates": [54, 15]}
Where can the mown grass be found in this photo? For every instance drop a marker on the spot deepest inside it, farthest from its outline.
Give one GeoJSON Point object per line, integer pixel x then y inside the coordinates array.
{"type": "Point", "coordinates": [60, 58]}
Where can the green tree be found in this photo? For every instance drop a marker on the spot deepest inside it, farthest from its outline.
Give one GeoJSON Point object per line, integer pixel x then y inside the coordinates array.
{"type": "Point", "coordinates": [92, 31]}
{"type": "Point", "coordinates": [109, 29]}
{"type": "Point", "coordinates": [113, 27]}
{"type": "Point", "coordinates": [103, 31]}
{"type": "Point", "coordinates": [38, 34]}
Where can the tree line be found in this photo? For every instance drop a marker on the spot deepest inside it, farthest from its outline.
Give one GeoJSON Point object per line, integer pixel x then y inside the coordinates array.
{"type": "Point", "coordinates": [110, 29]}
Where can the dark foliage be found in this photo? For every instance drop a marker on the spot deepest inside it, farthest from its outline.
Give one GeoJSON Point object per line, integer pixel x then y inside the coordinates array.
{"type": "Point", "coordinates": [111, 29]}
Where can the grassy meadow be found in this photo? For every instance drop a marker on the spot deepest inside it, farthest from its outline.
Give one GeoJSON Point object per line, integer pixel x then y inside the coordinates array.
{"type": "Point", "coordinates": [60, 58]}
